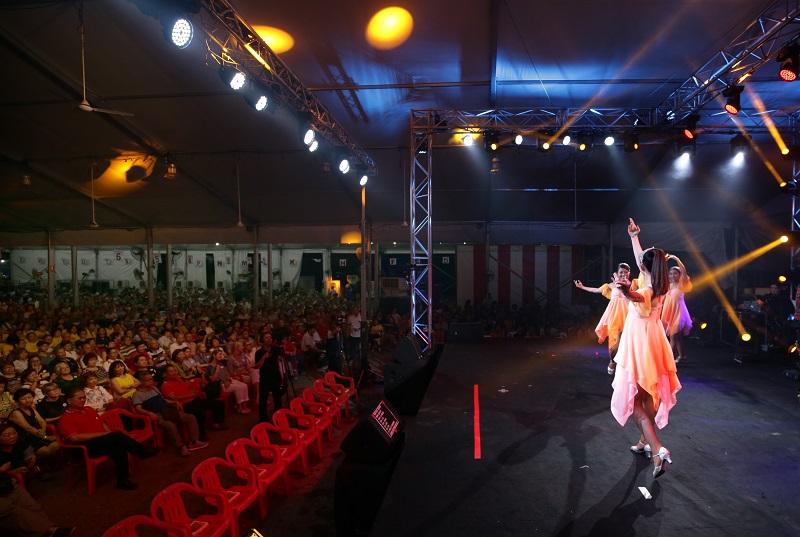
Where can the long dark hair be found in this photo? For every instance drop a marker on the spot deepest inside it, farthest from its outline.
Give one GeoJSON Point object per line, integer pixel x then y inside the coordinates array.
{"type": "Point", "coordinates": [655, 261]}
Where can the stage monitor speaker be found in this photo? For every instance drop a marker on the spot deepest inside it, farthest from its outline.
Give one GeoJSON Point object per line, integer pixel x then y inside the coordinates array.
{"type": "Point", "coordinates": [375, 437]}
{"type": "Point", "coordinates": [408, 351]}
{"type": "Point", "coordinates": [465, 333]}
{"type": "Point", "coordinates": [405, 386]}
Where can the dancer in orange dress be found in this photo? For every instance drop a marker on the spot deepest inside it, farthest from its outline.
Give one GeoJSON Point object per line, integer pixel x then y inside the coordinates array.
{"type": "Point", "coordinates": [675, 314]}
{"type": "Point", "coordinates": [613, 319]}
{"type": "Point", "coordinates": [645, 382]}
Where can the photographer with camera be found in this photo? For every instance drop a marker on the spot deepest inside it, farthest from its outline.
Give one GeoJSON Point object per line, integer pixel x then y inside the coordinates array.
{"type": "Point", "coordinates": [272, 376]}
{"type": "Point", "coordinates": [217, 371]}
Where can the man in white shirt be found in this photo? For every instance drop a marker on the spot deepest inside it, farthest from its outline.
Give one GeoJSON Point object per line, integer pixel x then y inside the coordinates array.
{"type": "Point", "coordinates": [354, 343]}
{"type": "Point", "coordinates": [309, 349]}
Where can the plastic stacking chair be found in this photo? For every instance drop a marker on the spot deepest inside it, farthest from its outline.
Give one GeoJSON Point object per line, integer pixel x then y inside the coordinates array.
{"type": "Point", "coordinates": [349, 383]}
{"type": "Point", "coordinates": [143, 427]}
{"type": "Point", "coordinates": [79, 450]}
{"type": "Point", "coordinates": [269, 464]}
{"type": "Point", "coordinates": [168, 506]}
{"type": "Point", "coordinates": [327, 399]}
{"type": "Point", "coordinates": [337, 390]}
{"type": "Point", "coordinates": [317, 411]}
{"type": "Point", "coordinates": [206, 475]}
{"type": "Point", "coordinates": [286, 440]}
{"type": "Point", "coordinates": [127, 528]}
{"type": "Point", "coordinates": [17, 476]}
{"type": "Point", "coordinates": [304, 425]}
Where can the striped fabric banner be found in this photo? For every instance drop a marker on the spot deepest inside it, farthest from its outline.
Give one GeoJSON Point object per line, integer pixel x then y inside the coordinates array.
{"type": "Point", "coordinates": [515, 274]}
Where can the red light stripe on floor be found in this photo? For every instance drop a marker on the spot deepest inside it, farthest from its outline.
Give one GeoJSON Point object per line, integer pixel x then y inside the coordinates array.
{"type": "Point", "coordinates": [477, 423]}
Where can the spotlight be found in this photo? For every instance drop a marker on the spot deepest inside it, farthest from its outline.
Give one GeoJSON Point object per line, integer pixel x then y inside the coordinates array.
{"type": "Point", "coordinates": [739, 144]}
{"type": "Point", "coordinates": [745, 337]}
{"type": "Point", "coordinates": [566, 139]}
{"type": "Point", "coordinates": [784, 238]}
{"type": "Point", "coordinates": [687, 147]}
{"type": "Point", "coordinates": [491, 141]}
{"type": "Point", "coordinates": [789, 62]}
{"type": "Point", "coordinates": [782, 278]}
{"type": "Point", "coordinates": [258, 100]}
{"type": "Point", "coordinates": [792, 152]}
{"type": "Point", "coordinates": [545, 140]}
{"type": "Point", "coordinates": [179, 31]}
{"type": "Point", "coordinates": [609, 140]}
{"type": "Point", "coordinates": [690, 126]}
{"type": "Point", "coordinates": [703, 325]}
{"type": "Point", "coordinates": [734, 95]}
{"type": "Point", "coordinates": [518, 139]}
{"type": "Point", "coordinates": [344, 165]}
{"type": "Point", "coordinates": [232, 77]}
{"type": "Point", "coordinates": [630, 142]}
{"type": "Point", "coordinates": [467, 139]}
{"type": "Point", "coordinates": [495, 165]}
{"type": "Point", "coordinates": [172, 170]}
{"type": "Point", "coordinates": [585, 141]}
{"type": "Point", "coordinates": [363, 180]}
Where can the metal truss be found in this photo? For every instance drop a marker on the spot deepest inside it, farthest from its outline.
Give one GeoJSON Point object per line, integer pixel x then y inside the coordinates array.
{"type": "Point", "coordinates": [421, 227]}
{"type": "Point", "coordinates": [528, 121]}
{"type": "Point", "coordinates": [238, 44]}
{"type": "Point", "coordinates": [761, 41]}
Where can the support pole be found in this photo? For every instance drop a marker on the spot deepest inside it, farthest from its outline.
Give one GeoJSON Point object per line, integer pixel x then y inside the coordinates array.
{"type": "Point", "coordinates": [51, 274]}
{"type": "Point", "coordinates": [256, 272]}
{"type": "Point", "coordinates": [74, 260]}
{"type": "Point", "coordinates": [149, 268]}
{"type": "Point", "coordinates": [169, 276]}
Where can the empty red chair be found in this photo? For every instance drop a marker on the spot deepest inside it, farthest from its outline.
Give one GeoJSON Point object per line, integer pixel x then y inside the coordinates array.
{"type": "Point", "coordinates": [349, 383]}
{"type": "Point", "coordinates": [318, 411]}
{"type": "Point", "coordinates": [127, 528]}
{"type": "Point", "coordinates": [327, 399]}
{"type": "Point", "coordinates": [304, 425]}
{"type": "Point", "coordinates": [240, 496]}
{"type": "Point", "coordinates": [267, 461]}
{"type": "Point", "coordinates": [286, 440]}
{"type": "Point", "coordinates": [337, 390]}
{"type": "Point", "coordinates": [143, 427]}
{"type": "Point", "coordinates": [168, 506]}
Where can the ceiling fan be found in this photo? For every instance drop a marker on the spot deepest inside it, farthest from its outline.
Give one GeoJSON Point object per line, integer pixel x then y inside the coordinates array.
{"type": "Point", "coordinates": [84, 104]}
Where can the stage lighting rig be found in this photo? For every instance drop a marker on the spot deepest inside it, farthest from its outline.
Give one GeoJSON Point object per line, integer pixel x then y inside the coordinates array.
{"type": "Point", "coordinates": [789, 62]}
{"type": "Point", "coordinates": [690, 127]}
{"type": "Point", "coordinates": [491, 141]}
{"type": "Point", "coordinates": [630, 142]}
{"type": "Point", "coordinates": [545, 140]}
{"type": "Point", "coordinates": [740, 144]}
{"type": "Point", "coordinates": [734, 95]}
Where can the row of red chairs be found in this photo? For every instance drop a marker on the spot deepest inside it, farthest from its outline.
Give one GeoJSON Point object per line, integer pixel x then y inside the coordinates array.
{"type": "Point", "coordinates": [252, 466]}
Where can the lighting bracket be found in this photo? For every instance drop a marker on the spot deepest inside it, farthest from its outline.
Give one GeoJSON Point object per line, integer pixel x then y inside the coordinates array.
{"type": "Point", "coordinates": [239, 44]}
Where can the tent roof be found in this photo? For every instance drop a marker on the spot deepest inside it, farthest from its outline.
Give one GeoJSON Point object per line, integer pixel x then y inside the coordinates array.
{"type": "Point", "coordinates": [470, 54]}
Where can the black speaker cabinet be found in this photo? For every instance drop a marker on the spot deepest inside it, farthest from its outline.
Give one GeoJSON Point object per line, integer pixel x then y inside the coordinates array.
{"type": "Point", "coordinates": [408, 351]}
{"type": "Point", "coordinates": [465, 333]}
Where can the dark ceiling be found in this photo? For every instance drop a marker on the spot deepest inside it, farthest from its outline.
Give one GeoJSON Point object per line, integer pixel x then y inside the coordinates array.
{"type": "Point", "coordinates": [470, 54]}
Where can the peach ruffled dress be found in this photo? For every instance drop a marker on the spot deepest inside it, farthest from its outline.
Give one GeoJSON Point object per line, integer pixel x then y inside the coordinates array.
{"type": "Point", "coordinates": [644, 360]}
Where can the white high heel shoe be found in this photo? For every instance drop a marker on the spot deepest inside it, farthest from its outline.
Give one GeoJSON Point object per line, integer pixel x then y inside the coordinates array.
{"type": "Point", "coordinates": [643, 450]}
{"type": "Point", "coordinates": [660, 468]}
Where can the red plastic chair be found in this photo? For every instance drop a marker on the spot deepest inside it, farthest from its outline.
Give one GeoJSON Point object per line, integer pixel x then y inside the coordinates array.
{"type": "Point", "coordinates": [91, 462]}
{"type": "Point", "coordinates": [206, 475]}
{"type": "Point", "coordinates": [286, 440]}
{"type": "Point", "coordinates": [327, 399]}
{"type": "Point", "coordinates": [270, 465]}
{"type": "Point", "coordinates": [304, 425]}
{"type": "Point", "coordinates": [349, 383]}
{"type": "Point", "coordinates": [168, 506]}
{"type": "Point", "coordinates": [317, 411]}
{"type": "Point", "coordinates": [17, 476]}
{"type": "Point", "coordinates": [127, 528]}
{"type": "Point", "coordinates": [337, 390]}
{"type": "Point", "coordinates": [143, 427]}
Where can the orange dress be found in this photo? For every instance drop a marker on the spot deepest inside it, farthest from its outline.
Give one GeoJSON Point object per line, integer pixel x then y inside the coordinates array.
{"type": "Point", "coordinates": [613, 319]}
{"type": "Point", "coordinates": [644, 359]}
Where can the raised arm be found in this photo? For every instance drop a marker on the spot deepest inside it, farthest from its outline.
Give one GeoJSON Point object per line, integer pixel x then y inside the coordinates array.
{"type": "Point", "coordinates": [580, 285]}
{"type": "Point", "coordinates": [685, 281]}
{"type": "Point", "coordinates": [633, 232]}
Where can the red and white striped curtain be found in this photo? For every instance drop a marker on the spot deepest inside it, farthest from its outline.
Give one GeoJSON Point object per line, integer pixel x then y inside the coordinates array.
{"type": "Point", "coordinates": [513, 274]}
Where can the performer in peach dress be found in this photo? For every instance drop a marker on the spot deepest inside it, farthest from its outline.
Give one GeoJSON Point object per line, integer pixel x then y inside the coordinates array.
{"type": "Point", "coordinates": [675, 314]}
{"type": "Point", "coordinates": [613, 319]}
{"type": "Point", "coordinates": [645, 381]}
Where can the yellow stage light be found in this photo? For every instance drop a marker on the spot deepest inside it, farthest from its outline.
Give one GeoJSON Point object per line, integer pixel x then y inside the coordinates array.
{"type": "Point", "coordinates": [745, 337]}
{"type": "Point", "coordinates": [782, 279]}
{"type": "Point", "coordinates": [703, 325]}
{"type": "Point", "coordinates": [784, 238]}
{"type": "Point", "coordinates": [275, 38]}
{"type": "Point", "coordinates": [389, 28]}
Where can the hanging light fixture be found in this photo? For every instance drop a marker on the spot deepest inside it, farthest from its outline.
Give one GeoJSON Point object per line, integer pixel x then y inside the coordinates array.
{"type": "Point", "coordinates": [239, 223]}
{"type": "Point", "coordinates": [734, 95]}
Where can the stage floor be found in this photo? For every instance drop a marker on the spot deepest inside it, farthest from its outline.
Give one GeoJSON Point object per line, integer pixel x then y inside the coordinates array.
{"type": "Point", "coordinates": [553, 461]}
